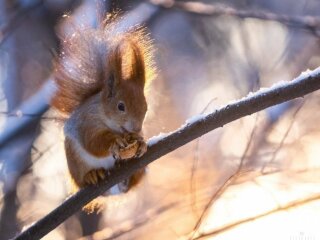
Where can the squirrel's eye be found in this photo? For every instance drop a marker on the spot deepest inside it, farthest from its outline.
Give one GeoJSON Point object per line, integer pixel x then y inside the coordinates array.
{"type": "Point", "coordinates": [121, 107]}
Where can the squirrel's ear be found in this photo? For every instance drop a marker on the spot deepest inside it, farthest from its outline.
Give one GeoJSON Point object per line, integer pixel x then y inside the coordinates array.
{"type": "Point", "coordinates": [137, 65]}
{"type": "Point", "coordinates": [127, 63]}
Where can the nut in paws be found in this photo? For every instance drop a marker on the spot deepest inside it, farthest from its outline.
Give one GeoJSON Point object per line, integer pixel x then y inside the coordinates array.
{"type": "Point", "coordinates": [129, 151]}
{"type": "Point", "coordinates": [137, 144]}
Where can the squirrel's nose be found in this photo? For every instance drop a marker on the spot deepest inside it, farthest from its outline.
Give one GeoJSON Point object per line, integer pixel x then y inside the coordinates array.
{"type": "Point", "coordinates": [136, 128]}
{"type": "Point", "coordinates": [133, 127]}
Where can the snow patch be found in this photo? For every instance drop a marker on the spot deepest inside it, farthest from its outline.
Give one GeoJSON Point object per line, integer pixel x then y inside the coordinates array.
{"type": "Point", "coordinates": [155, 139]}
{"type": "Point", "coordinates": [195, 118]}
{"type": "Point", "coordinates": [306, 73]}
{"type": "Point", "coordinates": [261, 91]}
{"type": "Point", "coordinates": [266, 89]}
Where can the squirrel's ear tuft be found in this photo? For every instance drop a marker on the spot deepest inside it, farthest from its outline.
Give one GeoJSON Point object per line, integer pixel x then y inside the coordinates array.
{"type": "Point", "coordinates": [129, 60]}
{"type": "Point", "coordinates": [137, 73]}
{"type": "Point", "coordinates": [131, 57]}
{"type": "Point", "coordinates": [141, 52]}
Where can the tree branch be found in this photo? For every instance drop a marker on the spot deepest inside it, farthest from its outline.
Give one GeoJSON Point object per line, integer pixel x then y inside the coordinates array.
{"type": "Point", "coordinates": [310, 23]}
{"type": "Point", "coordinates": [159, 146]}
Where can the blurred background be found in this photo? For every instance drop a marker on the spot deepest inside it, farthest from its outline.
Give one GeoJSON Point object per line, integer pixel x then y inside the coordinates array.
{"type": "Point", "coordinates": [256, 178]}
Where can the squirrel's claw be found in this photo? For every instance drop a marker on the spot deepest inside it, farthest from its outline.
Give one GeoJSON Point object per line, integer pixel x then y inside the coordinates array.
{"type": "Point", "coordinates": [101, 173]}
{"type": "Point", "coordinates": [122, 142]}
{"type": "Point", "coordinates": [116, 156]}
{"type": "Point", "coordinates": [94, 176]}
{"type": "Point", "coordinates": [141, 149]}
{"type": "Point", "coordinates": [116, 148]}
{"type": "Point", "coordinates": [91, 178]}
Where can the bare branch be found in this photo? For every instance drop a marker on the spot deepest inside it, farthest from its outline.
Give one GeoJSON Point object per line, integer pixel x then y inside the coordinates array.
{"type": "Point", "coordinates": [310, 23]}
{"type": "Point", "coordinates": [285, 91]}
{"type": "Point", "coordinates": [35, 106]}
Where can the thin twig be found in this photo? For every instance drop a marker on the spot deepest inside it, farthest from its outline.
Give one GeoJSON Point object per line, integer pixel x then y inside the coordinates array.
{"type": "Point", "coordinates": [309, 23]}
{"type": "Point", "coordinates": [285, 91]}
{"type": "Point", "coordinates": [19, 114]}
{"type": "Point", "coordinates": [193, 185]}
{"type": "Point", "coordinates": [230, 180]}
{"type": "Point", "coordinates": [287, 206]}
{"type": "Point", "coordinates": [274, 154]}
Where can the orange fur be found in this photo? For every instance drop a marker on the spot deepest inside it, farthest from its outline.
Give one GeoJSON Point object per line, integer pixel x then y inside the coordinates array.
{"type": "Point", "coordinates": [97, 70]}
{"type": "Point", "coordinates": [88, 57]}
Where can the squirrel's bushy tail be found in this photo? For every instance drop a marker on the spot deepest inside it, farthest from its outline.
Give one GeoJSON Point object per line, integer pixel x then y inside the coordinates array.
{"type": "Point", "coordinates": [86, 60]}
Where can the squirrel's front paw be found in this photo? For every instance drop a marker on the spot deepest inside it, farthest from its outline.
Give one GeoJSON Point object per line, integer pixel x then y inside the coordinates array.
{"type": "Point", "coordinates": [141, 149]}
{"type": "Point", "coordinates": [132, 145]}
{"type": "Point", "coordinates": [94, 176]}
{"type": "Point", "coordinates": [117, 146]}
{"type": "Point", "coordinates": [140, 145]}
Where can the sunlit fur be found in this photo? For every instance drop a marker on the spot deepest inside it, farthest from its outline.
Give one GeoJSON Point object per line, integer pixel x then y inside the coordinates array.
{"type": "Point", "coordinates": [83, 66]}
{"type": "Point", "coordinates": [96, 70]}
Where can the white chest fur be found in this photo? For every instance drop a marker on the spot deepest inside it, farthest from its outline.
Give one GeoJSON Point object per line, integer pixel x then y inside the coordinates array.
{"type": "Point", "coordinates": [91, 160]}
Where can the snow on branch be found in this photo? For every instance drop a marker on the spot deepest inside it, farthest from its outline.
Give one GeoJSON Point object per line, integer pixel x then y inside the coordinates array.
{"type": "Point", "coordinates": [199, 125]}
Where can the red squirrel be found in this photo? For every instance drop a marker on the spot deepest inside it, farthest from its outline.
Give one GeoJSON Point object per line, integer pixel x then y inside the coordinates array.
{"type": "Point", "coordinates": [101, 77]}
